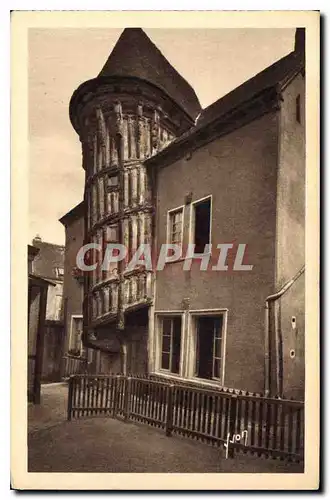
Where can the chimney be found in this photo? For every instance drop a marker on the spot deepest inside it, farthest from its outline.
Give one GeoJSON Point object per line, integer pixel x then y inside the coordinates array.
{"type": "Point", "coordinates": [36, 240]}
{"type": "Point", "coordinates": [299, 43]}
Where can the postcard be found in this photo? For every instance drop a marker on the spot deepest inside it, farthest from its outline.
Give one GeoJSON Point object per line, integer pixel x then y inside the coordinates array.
{"type": "Point", "coordinates": [165, 200]}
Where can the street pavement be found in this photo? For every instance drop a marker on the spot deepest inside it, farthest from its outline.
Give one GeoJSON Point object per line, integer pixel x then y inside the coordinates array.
{"type": "Point", "coordinates": [102, 444]}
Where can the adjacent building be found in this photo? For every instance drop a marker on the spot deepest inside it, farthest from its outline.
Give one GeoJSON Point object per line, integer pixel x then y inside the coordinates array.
{"type": "Point", "coordinates": [77, 358]}
{"type": "Point", "coordinates": [49, 265]}
{"type": "Point", "coordinates": [37, 303]}
{"type": "Point", "coordinates": [159, 169]}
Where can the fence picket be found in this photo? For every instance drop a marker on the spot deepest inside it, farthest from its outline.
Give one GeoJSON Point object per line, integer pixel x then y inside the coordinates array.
{"type": "Point", "coordinates": [169, 419]}
{"type": "Point", "coordinates": [275, 426]}
{"type": "Point", "coordinates": [290, 428]}
{"type": "Point", "coordinates": [70, 398]}
{"type": "Point", "coordinates": [298, 430]}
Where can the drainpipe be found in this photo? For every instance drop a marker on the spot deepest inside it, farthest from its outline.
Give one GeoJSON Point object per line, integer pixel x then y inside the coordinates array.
{"type": "Point", "coordinates": [269, 299]}
{"type": "Point", "coordinates": [123, 355]}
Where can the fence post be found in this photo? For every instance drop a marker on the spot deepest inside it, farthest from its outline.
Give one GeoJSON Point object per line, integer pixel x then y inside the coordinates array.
{"type": "Point", "coordinates": [232, 423]}
{"type": "Point", "coordinates": [169, 416]}
{"type": "Point", "coordinates": [70, 394]}
{"type": "Point", "coordinates": [127, 398]}
{"type": "Point", "coordinates": [115, 394]}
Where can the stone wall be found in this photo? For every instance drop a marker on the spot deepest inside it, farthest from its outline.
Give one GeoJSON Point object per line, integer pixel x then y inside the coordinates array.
{"type": "Point", "coordinates": [239, 171]}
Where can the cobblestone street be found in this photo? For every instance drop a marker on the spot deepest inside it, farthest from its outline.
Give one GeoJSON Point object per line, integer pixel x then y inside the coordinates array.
{"type": "Point", "coordinates": [109, 445]}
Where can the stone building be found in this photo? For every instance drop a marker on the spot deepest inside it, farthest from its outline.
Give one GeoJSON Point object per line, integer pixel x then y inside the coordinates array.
{"type": "Point", "coordinates": [49, 265]}
{"type": "Point", "coordinates": [73, 222]}
{"type": "Point", "coordinates": [37, 303]}
{"type": "Point", "coordinates": [77, 357]}
{"type": "Point", "coordinates": [159, 169]}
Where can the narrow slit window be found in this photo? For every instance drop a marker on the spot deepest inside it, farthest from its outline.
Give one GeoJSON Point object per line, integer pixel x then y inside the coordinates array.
{"type": "Point", "coordinates": [112, 234]}
{"type": "Point", "coordinates": [113, 181]}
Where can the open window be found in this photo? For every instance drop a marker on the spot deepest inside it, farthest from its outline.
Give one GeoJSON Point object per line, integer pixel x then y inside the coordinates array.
{"type": "Point", "coordinates": [201, 224]}
{"type": "Point", "coordinates": [208, 346]}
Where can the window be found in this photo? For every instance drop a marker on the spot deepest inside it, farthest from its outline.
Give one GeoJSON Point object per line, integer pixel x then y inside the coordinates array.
{"type": "Point", "coordinates": [202, 224]}
{"type": "Point", "coordinates": [170, 343]}
{"type": "Point", "coordinates": [113, 181]}
{"type": "Point", "coordinates": [112, 235]}
{"type": "Point", "coordinates": [75, 345]}
{"type": "Point", "coordinates": [175, 226]}
{"type": "Point", "coordinates": [298, 109]}
{"type": "Point", "coordinates": [209, 347]}
{"type": "Point", "coordinates": [58, 306]}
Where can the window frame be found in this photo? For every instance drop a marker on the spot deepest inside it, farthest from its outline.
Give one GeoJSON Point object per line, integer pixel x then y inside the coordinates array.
{"type": "Point", "coordinates": [110, 273]}
{"type": "Point", "coordinates": [170, 213]}
{"type": "Point", "coordinates": [159, 316]}
{"type": "Point", "coordinates": [192, 218]}
{"type": "Point", "coordinates": [112, 187]}
{"type": "Point", "coordinates": [192, 344]}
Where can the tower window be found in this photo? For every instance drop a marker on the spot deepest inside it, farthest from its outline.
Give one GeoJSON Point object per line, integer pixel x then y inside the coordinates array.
{"type": "Point", "coordinates": [298, 108]}
{"type": "Point", "coordinates": [113, 181]}
{"type": "Point", "coordinates": [112, 234]}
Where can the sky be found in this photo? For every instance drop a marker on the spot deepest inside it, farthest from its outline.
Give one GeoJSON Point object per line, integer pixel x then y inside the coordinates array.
{"type": "Point", "coordinates": [213, 61]}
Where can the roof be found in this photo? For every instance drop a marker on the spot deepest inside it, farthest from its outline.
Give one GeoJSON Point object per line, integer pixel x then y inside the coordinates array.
{"type": "Point", "coordinates": [49, 258]}
{"type": "Point", "coordinates": [109, 345]}
{"type": "Point", "coordinates": [274, 76]}
{"type": "Point", "coordinates": [37, 280]}
{"type": "Point", "coordinates": [75, 213]}
{"type": "Point", "coordinates": [135, 55]}
{"type": "Point", "coordinates": [32, 252]}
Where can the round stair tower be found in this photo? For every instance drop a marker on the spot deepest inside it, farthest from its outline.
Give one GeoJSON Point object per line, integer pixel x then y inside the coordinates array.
{"type": "Point", "coordinates": [135, 107]}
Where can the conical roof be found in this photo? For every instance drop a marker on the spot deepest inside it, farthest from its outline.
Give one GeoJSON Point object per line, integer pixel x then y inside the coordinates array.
{"type": "Point", "coordinates": [135, 55]}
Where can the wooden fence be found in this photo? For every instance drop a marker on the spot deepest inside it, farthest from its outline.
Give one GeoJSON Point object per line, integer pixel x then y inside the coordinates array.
{"type": "Point", "coordinates": [74, 365]}
{"type": "Point", "coordinates": [266, 426]}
